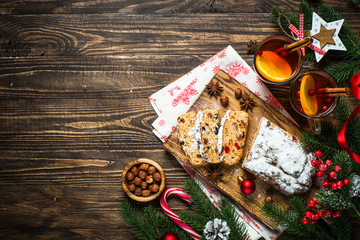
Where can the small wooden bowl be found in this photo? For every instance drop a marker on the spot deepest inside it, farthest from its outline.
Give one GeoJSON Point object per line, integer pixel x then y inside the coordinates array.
{"type": "Point", "coordinates": [142, 198]}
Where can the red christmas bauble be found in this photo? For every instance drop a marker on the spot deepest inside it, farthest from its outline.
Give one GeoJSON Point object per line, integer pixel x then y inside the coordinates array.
{"type": "Point", "coordinates": [170, 236]}
{"type": "Point", "coordinates": [247, 186]}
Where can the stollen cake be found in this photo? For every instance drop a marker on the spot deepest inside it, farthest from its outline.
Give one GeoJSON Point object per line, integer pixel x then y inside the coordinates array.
{"type": "Point", "coordinates": [232, 135]}
{"type": "Point", "coordinates": [278, 159]}
{"type": "Point", "coordinates": [207, 126]}
{"type": "Point", "coordinates": [186, 134]}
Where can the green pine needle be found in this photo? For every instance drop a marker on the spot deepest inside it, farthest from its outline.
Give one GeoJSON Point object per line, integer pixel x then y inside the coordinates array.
{"type": "Point", "coordinates": [228, 213]}
{"type": "Point", "coordinates": [340, 228]}
{"type": "Point", "coordinates": [335, 200]}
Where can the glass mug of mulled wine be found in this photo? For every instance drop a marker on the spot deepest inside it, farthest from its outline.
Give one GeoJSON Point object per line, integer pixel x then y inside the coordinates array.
{"type": "Point", "coordinates": [313, 95]}
{"type": "Point", "coordinates": [275, 62]}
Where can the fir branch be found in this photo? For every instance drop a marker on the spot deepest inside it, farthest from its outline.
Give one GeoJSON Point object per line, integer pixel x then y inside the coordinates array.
{"type": "Point", "coordinates": [293, 222]}
{"type": "Point", "coordinates": [195, 220]}
{"type": "Point", "coordinates": [345, 162]}
{"type": "Point", "coordinates": [340, 228]}
{"type": "Point", "coordinates": [344, 71]}
{"type": "Point", "coordinates": [298, 205]}
{"type": "Point", "coordinates": [353, 1]}
{"type": "Point", "coordinates": [326, 142]}
{"type": "Point", "coordinates": [228, 213]}
{"type": "Point", "coordinates": [147, 223]}
{"type": "Point", "coordinates": [335, 200]}
{"type": "Point", "coordinates": [199, 201]}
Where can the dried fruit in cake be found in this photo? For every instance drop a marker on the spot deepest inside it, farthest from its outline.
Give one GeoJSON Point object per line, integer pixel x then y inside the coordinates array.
{"type": "Point", "coordinates": [186, 134]}
{"type": "Point", "coordinates": [279, 159]}
{"type": "Point", "coordinates": [207, 126]}
{"type": "Point", "coordinates": [232, 135]}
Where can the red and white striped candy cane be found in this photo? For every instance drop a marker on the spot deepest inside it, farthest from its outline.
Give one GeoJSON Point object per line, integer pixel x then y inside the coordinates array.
{"type": "Point", "coordinates": [175, 218]}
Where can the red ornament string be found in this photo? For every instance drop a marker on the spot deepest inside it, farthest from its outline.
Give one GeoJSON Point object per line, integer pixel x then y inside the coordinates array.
{"type": "Point", "coordinates": [355, 90]}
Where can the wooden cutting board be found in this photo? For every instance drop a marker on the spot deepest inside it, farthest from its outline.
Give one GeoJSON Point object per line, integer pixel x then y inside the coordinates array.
{"type": "Point", "coordinates": [228, 182]}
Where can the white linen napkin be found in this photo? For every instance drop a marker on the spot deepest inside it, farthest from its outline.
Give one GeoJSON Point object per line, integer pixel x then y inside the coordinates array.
{"type": "Point", "coordinates": [176, 99]}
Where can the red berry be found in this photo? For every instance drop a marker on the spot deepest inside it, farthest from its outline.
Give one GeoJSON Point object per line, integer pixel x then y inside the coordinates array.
{"type": "Point", "coordinates": [326, 184]}
{"type": "Point", "coordinates": [332, 174]}
{"type": "Point", "coordinates": [227, 149]}
{"type": "Point", "coordinates": [339, 184]}
{"type": "Point", "coordinates": [283, 53]}
{"type": "Point", "coordinates": [311, 92]}
{"type": "Point", "coordinates": [305, 220]}
{"type": "Point", "coordinates": [308, 214]}
{"type": "Point", "coordinates": [313, 221]}
{"type": "Point", "coordinates": [314, 163]}
{"type": "Point", "coordinates": [346, 181]}
{"type": "Point", "coordinates": [317, 153]}
{"type": "Point", "coordinates": [320, 213]}
{"type": "Point", "coordinates": [323, 167]}
{"type": "Point", "coordinates": [329, 100]}
{"type": "Point", "coordinates": [298, 94]}
{"type": "Point", "coordinates": [338, 213]}
{"type": "Point", "coordinates": [328, 163]}
{"type": "Point", "coordinates": [324, 108]}
{"type": "Point", "coordinates": [259, 53]}
{"type": "Point", "coordinates": [308, 206]}
{"type": "Point", "coordinates": [334, 186]}
{"type": "Point", "coordinates": [313, 217]}
{"type": "Point", "coordinates": [301, 110]}
{"type": "Point", "coordinates": [319, 174]}
{"type": "Point", "coordinates": [317, 217]}
{"type": "Point", "coordinates": [337, 168]}
{"type": "Point", "coordinates": [327, 213]}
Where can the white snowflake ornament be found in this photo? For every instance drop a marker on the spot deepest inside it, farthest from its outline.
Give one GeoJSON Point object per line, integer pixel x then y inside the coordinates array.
{"type": "Point", "coordinates": [216, 230]}
{"type": "Point", "coordinates": [319, 24]}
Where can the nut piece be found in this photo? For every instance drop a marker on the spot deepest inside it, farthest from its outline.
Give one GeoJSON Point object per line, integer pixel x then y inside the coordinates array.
{"type": "Point", "coordinates": [149, 179]}
{"type": "Point", "coordinates": [135, 170]}
{"type": "Point", "coordinates": [146, 193]}
{"type": "Point", "coordinates": [142, 174]}
{"type": "Point", "coordinates": [238, 93]}
{"type": "Point", "coordinates": [138, 191]}
{"type": "Point", "coordinates": [151, 170]}
{"type": "Point", "coordinates": [268, 199]}
{"type": "Point", "coordinates": [157, 177]}
{"type": "Point", "coordinates": [144, 166]}
{"type": "Point", "coordinates": [154, 188]}
{"type": "Point", "coordinates": [224, 100]}
{"type": "Point", "coordinates": [132, 187]}
{"type": "Point", "coordinates": [137, 181]}
{"type": "Point", "coordinates": [144, 185]}
{"type": "Point", "coordinates": [130, 176]}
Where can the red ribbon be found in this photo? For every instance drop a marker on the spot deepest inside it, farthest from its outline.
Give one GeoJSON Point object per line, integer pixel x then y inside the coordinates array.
{"type": "Point", "coordinates": [355, 90]}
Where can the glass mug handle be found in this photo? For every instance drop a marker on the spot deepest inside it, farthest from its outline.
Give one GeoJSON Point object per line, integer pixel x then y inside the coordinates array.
{"type": "Point", "coordinates": [314, 125]}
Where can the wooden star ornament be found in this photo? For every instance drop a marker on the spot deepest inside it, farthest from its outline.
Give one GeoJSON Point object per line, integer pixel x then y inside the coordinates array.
{"type": "Point", "coordinates": [325, 35]}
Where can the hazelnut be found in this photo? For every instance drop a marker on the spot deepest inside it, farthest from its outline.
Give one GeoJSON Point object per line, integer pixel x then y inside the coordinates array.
{"type": "Point", "coordinates": [138, 191]}
{"type": "Point", "coordinates": [146, 193]}
{"type": "Point", "coordinates": [135, 170]}
{"type": "Point", "coordinates": [137, 181]}
{"type": "Point", "coordinates": [268, 199]}
{"type": "Point", "coordinates": [149, 179]}
{"type": "Point", "coordinates": [238, 93]}
{"type": "Point", "coordinates": [151, 170]}
{"type": "Point", "coordinates": [142, 174]}
{"type": "Point", "coordinates": [154, 188]}
{"type": "Point", "coordinates": [131, 187]}
{"type": "Point", "coordinates": [224, 100]}
{"type": "Point", "coordinates": [157, 177]}
{"type": "Point", "coordinates": [130, 176]}
{"type": "Point", "coordinates": [144, 166]}
{"type": "Point", "coordinates": [144, 185]}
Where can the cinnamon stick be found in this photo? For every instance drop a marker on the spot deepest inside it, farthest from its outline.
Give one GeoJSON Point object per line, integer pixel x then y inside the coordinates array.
{"type": "Point", "coordinates": [334, 92]}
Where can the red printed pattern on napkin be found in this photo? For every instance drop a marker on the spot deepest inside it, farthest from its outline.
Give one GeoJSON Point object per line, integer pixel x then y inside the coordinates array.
{"type": "Point", "coordinates": [185, 95]}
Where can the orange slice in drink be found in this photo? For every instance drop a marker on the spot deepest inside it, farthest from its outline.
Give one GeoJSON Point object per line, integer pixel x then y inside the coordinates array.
{"type": "Point", "coordinates": [308, 103]}
{"type": "Point", "coordinates": [273, 66]}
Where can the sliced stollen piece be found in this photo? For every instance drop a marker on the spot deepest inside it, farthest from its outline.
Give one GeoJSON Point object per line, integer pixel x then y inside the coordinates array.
{"type": "Point", "coordinates": [186, 134]}
{"type": "Point", "coordinates": [278, 158]}
{"type": "Point", "coordinates": [232, 136]}
{"type": "Point", "coordinates": [207, 126]}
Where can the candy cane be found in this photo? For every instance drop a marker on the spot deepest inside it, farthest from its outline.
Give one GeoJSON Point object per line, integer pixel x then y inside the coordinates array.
{"type": "Point", "coordinates": [175, 218]}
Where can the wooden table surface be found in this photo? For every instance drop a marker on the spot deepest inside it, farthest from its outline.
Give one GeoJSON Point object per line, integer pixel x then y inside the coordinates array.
{"type": "Point", "coordinates": [75, 77]}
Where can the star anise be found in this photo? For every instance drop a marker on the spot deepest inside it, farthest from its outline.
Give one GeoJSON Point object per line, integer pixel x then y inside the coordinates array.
{"type": "Point", "coordinates": [214, 172]}
{"type": "Point", "coordinates": [251, 46]}
{"type": "Point", "coordinates": [213, 88]}
{"type": "Point", "coordinates": [247, 102]}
